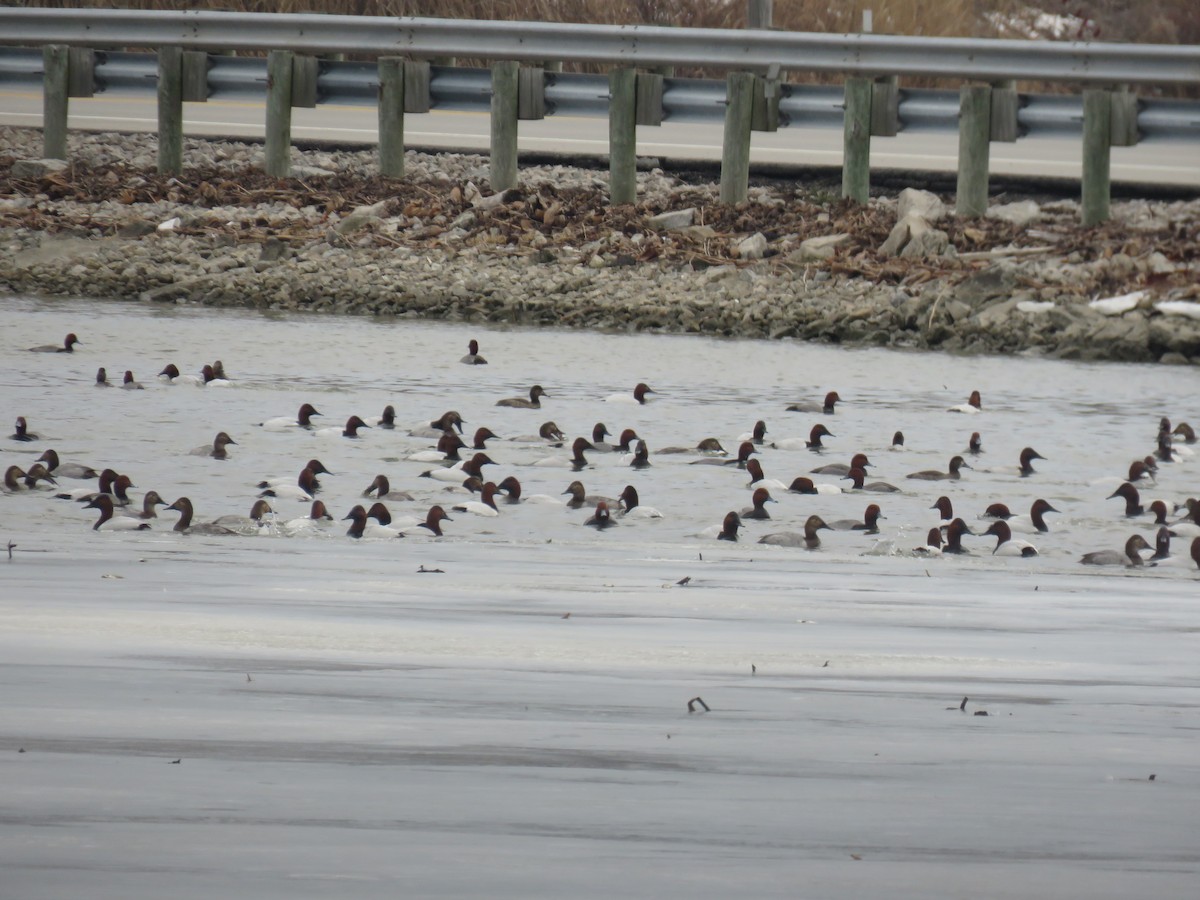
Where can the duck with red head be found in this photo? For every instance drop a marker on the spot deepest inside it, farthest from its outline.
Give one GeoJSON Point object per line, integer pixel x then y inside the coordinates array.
{"type": "Point", "coordinates": [473, 358]}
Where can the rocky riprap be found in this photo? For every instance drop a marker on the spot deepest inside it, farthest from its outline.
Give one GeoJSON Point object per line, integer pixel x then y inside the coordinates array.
{"type": "Point", "coordinates": [788, 263]}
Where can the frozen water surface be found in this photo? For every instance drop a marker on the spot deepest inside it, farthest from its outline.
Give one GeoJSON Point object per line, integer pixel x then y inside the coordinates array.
{"type": "Point", "coordinates": [516, 725]}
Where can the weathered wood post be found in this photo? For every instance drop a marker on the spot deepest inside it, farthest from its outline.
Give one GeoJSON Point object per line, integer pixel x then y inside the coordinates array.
{"type": "Point", "coordinates": [170, 110]}
{"type": "Point", "coordinates": [885, 106]}
{"type": "Point", "coordinates": [622, 136]}
{"type": "Point", "coordinates": [1005, 105]}
{"type": "Point", "coordinates": [735, 149]}
{"type": "Point", "coordinates": [856, 140]}
{"type": "Point", "coordinates": [759, 13]}
{"type": "Point", "coordinates": [503, 171]}
{"type": "Point", "coordinates": [278, 154]}
{"type": "Point", "coordinates": [391, 116]}
{"type": "Point", "coordinates": [1124, 116]}
{"type": "Point", "coordinates": [81, 72]}
{"type": "Point", "coordinates": [974, 136]}
{"type": "Point", "coordinates": [55, 66]}
{"type": "Point", "coordinates": [1097, 139]}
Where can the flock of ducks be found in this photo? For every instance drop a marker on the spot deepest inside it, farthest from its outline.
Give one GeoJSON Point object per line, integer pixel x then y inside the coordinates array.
{"type": "Point", "coordinates": [459, 463]}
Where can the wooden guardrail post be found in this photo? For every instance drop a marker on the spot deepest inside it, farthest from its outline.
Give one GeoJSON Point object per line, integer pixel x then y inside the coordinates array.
{"type": "Point", "coordinates": [503, 170]}
{"type": "Point", "coordinates": [81, 72]}
{"type": "Point", "coordinates": [55, 67]}
{"type": "Point", "coordinates": [278, 154]}
{"type": "Point", "coordinates": [1124, 117]}
{"type": "Point", "coordinates": [170, 110]}
{"type": "Point", "coordinates": [416, 86]}
{"type": "Point", "coordinates": [1005, 104]}
{"type": "Point", "coordinates": [759, 13]}
{"type": "Point", "coordinates": [1097, 138]}
{"type": "Point", "coordinates": [305, 70]}
{"type": "Point", "coordinates": [391, 116]}
{"type": "Point", "coordinates": [735, 149]}
{"type": "Point", "coordinates": [531, 93]}
{"type": "Point", "coordinates": [856, 153]}
{"type": "Point", "coordinates": [885, 106]}
{"type": "Point", "coordinates": [622, 135]}
{"type": "Point", "coordinates": [649, 88]}
{"type": "Point", "coordinates": [195, 76]}
{"type": "Point", "coordinates": [974, 132]}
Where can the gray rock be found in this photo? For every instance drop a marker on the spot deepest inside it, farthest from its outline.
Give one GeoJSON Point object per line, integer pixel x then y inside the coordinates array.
{"type": "Point", "coordinates": [818, 248]}
{"type": "Point", "coordinates": [37, 168]}
{"type": "Point", "coordinates": [753, 247]}
{"type": "Point", "coordinates": [931, 242]}
{"type": "Point", "coordinates": [1019, 214]}
{"type": "Point", "coordinates": [919, 203]}
{"type": "Point", "coordinates": [674, 220]}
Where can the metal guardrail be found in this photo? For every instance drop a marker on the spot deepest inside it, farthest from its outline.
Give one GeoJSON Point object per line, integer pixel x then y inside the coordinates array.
{"type": "Point", "coordinates": [635, 45]}
{"type": "Point", "coordinates": [684, 99]}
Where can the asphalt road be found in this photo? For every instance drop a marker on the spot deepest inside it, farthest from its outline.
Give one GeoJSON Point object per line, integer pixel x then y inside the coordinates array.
{"type": "Point", "coordinates": [1158, 163]}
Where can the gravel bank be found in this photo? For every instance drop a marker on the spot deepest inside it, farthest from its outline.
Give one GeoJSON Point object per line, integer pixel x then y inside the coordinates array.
{"type": "Point", "coordinates": [788, 263]}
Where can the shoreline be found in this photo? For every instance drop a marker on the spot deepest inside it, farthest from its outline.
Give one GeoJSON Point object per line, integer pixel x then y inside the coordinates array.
{"type": "Point", "coordinates": [794, 261]}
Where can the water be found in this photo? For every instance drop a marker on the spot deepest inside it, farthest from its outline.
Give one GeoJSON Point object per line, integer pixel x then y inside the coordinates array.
{"type": "Point", "coordinates": [516, 724]}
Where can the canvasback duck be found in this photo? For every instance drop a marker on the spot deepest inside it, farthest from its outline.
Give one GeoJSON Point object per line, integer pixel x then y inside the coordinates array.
{"type": "Point", "coordinates": [1158, 508]}
{"type": "Point", "coordinates": [973, 405]}
{"type": "Point", "coordinates": [746, 449]}
{"type": "Point", "coordinates": [534, 402]}
{"type": "Point", "coordinates": [255, 523]}
{"type": "Point", "coordinates": [599, 433]}
{"type": "Point", "coordinates": [485, 505]}
{"type": "Point", "coordinates": [945, 509]}
{"type": "Point", "coordinates": [933, 544]}
{"type": "Point", "coordinates": [729, 527]}
{"type": "Point", "coordinates": [756, 435]}
{"type": "Point", "coordinates": [1028, 455]}
{"type": "Point", "coordinates": [22, 432]}
{"type": "Point", "coordinates": [381, 489]}
{"type": "Point", "coordinates": [581, 498]}
{"type": "Point", "coordinates": [217, 449]}
{"type": "Point", "coordinates": [102, 378]}
{"type": "Point", "coordinates": [805, 485]}
{"type": "Point", "coordinates": [631, 507]}
{"type": "Point", "coordinates": [170, 374]}
{"type": "Point", "coordinates": [65, 470]}
{"type": "Point", "coordinates": [1195, 554]}
{"type": "Point", "coordinates": [975, 444]}
{"type": "Point", "coordinates": [1185, 432]}
{"type": "Point", "coordinates": [67, 346]}
{"type": "Point", "coordinates": [758, 479]}
{"type": "Point", "coordinates": [710, 446]}
{"type": "Point", "coordinates": [38, 472]}
{"type": "Point", "coordinates": [898, 441]}
{"type": "Point", "coordinates": [640, 458]}
{"type": "Point", "coordinates": [312, 486]}
{"type": "Point", "coordinates": [210, 378]}
{"type": "Point", "coordinates": [218, 368]}
{"type": "Point", "coordinates": [1162, 551]}
{"type": "Point", "coordinates": [1139, 471]}
{"type": "Point", "coordinates": [954, 535]}
{"type": "Point", "coordinates": [1130, 557]}
{"type": "Point", "coordinates": [449, 420]}
{"type": "Point", "coordinates": [460, 472]}
{"type": "Point", "coordinates": [638, 396]}
{"type": "Point", "coordinates": [446, 451]}
{"type": "Point", "coordinates": [107, 478]}
{"type": "Point", "coordinates": [305, 486]}
{"type": "Point", "coordinates": [386, 420]}
{"type": "Point", "coordinates": [473, 358]}
{"type": "Point", "coordinates": [576, 461]}
{"type": "Point", "coordinates": [1006, 544]}
{"type": "Point", "coordinates": [858, 482]}
{"type": "Point", "coordinates": [826, 406]}
{"type": "Point", "coordinates": [809, 540]}
{"type": "Point", "coordinates": [482, 436]}
{"type": "Point", "coordinates": [184, 526]}
{"type": "Point", "coordinates": [858, 461]}
{"type": "Point", "coordinates": [868, 525]}
{"type": "Point", "coordinates": [812, 442]}
{"type": "Point", "coordinates": [361, 528]}
{"type": "Point", "coordinates": [130, 383]}
{"type": "Point", "coordinates": [432, 525]}
{"type": "Point", "coordinates": [317, 515]}
{"type": "Point", "coordinates": [511, 487]}
{"type": "Point", "coordinates": [302, 420]}
{"type": "Point", "coordinates": [12, 480]}
{"type": "Point", "coordinates": [1165, 451]}
{"type": "Point", "coordinates": [601, 518]}
{"type": "Point", "coordinates": [1188, 526]}
{"type": "Point", "coordinates": [1034, 523]}
{"type": "Point", "coordinates": [108, 521]}
{"type": "Point", "coordinates": [548, 433]}
{"type": "Point", "coordinates": [758, 508]}
{"type": "Point", "coordinates": [1133, 500]}
{"type": "Point", "coordinates": [353, 424]}
{"type": "Point", "coordinates": [953, 474]}
{"type": "Point", "coordinates": [148, 511]}
{"type": "Point", "coordinates": [625, 443]}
